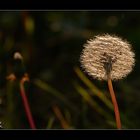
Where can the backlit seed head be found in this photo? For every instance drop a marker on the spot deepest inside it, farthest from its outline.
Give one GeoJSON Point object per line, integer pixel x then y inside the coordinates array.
{"type": "Point", "coordinates": [107, 56]}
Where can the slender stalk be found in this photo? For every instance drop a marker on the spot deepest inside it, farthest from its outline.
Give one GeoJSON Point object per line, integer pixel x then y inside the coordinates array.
{"type": "Point", "coordinates": [59, 115]}
{"type": "Point", "coordinates": [114, 101]}
{"type": "Point", "coordinates": [26, 106]}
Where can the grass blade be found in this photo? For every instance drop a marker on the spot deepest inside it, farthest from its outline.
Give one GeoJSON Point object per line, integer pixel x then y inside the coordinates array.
{"type": "Point", "coordinates": [93, 88]}
{"type": "Point", "coordinates": [55, 93]}
{"type": "Point", "coordinates": [91, 101]}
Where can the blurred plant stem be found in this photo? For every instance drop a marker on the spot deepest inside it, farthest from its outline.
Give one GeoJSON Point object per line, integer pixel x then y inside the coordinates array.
{"type": "Point", "coordinates": [12, 79]}
{"type": "Point", "coordinates": [26, 105]}
{"type": "Point", "coordinates": [9, 122]}
{"type": "Point", "coordinates": [60, 117]}
{"type": "Point", "coordinates": [50, 122]}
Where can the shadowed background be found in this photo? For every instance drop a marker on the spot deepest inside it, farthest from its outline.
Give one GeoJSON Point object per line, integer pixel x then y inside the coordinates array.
{"type": "Point", "coordinates": [60, 95]}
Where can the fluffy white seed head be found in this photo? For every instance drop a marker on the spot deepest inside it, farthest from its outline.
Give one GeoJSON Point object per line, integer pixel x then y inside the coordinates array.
{"type": "Point", "coordinates": [107, 56]}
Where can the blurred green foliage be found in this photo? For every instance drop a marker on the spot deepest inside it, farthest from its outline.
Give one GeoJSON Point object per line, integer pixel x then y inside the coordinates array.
{"type": "Point", "coordinates": [59, 93]}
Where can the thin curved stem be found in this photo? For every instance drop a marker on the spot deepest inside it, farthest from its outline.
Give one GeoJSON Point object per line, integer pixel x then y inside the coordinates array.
{"type": "Point", "coordinates": [114, 101]}
{"type": "Point", "coordinates": [26, 106]}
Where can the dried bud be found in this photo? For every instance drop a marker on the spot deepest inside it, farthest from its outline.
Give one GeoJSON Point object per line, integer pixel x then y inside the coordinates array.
{"type": "Point", "coordinates": [17, 55]}
{"type": "Point", "coordinates": [107, 56]}
{"type": "Point", "coordinates": [18, 65]}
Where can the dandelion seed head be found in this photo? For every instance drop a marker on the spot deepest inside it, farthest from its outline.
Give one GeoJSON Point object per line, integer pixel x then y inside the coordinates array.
{"type": "Point", "coordinates": [107, 55]}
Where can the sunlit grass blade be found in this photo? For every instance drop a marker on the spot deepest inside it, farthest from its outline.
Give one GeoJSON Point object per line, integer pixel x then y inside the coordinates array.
{"type": "Point", "coordinates": [91, 101]}
{"type": "Point", "coordinates": [93, 88]}
{"type": "Point", "coordinates": [50, 122]}
{"type": "Point", "coordinates": [44, 86]}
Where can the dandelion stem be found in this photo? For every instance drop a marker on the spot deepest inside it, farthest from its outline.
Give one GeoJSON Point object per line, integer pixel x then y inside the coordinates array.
{"type": "Point", "coordinates": [26, 105]}
{"type": "Point", "coordinates": [114, 101]}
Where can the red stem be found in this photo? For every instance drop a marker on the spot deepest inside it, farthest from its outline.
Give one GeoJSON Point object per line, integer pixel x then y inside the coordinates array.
{"type": "Point", "coordinates": [114, 101]}
{"type": "Point", "coordinates": [26, 105]}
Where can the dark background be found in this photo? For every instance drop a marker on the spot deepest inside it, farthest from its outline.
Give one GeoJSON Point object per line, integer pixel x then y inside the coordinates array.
{"type": "Point", "coordinates": [51, 43]}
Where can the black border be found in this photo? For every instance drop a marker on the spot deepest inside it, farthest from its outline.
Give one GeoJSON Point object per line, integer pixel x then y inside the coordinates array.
{"type": "Point", "coordinates": [68, 5]}
{"type": "Point", "coordinates": [70, 134]}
